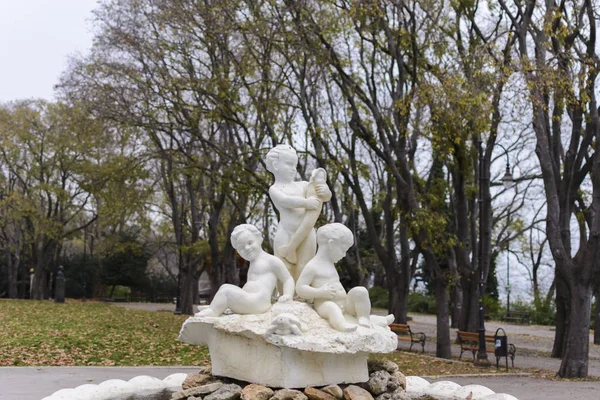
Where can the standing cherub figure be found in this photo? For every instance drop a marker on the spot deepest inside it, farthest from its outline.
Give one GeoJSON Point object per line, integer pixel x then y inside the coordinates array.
{"type": "Point", "coordinates": [293, 201]}
{"type": "Point", "coordinates": [320, 283]}
{"type": "Point", "coordinates": [264, 274]}
{"type": "Point", "coordinates": [288, 251]}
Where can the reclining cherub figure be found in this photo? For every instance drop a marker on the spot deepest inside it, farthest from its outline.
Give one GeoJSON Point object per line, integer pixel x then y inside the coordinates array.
{"type": "Point", "coordinates": [264, 274]}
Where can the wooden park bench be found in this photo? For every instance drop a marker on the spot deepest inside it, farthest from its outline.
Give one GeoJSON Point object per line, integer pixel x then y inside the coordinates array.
{"type": "Point", "coordinates": [469, 341]}
{"type": "Point", "coordinates": [520, 317]}
{"type": "Point", "coordinates": [405, 334]}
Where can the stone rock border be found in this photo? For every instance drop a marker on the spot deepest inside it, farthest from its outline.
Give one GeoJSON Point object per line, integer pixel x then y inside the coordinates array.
{"type": "Point", "coordinates": [116, 389]}
{"type": "Point", "coordinates": [386, 382]}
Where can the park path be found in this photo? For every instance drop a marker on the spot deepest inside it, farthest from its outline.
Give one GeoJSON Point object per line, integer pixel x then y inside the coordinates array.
{"type": "Point", "coordinates": [533, 343]}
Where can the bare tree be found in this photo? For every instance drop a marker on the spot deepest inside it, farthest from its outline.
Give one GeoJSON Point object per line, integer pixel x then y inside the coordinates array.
{"type": "Point", "coordinates": [558, 60]}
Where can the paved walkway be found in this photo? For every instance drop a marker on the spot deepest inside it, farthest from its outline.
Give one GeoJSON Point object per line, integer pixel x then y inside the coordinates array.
{"type": "Point", "coordinates": [533, 343]}
{"type": "Point", "coordinates": [35, 383]}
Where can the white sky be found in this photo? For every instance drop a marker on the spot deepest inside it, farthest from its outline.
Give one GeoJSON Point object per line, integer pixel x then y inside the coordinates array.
{"type": "Point", "coordinates": [36, 36]}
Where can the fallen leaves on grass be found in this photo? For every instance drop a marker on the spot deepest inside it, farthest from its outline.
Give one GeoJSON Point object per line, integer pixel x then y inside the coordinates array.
{"type": "Point", "coordinates": [75, 333]}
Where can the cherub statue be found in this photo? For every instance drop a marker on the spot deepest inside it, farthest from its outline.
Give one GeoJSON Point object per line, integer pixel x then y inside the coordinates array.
{"type": "Point", "coordinates": [320, 282]}
{"type": "Point", "coordinates": [294, 200]}
{"type": "Point", "coordinates": [288, 251]}
{"type": "Point", "coordinates": [264, 274]}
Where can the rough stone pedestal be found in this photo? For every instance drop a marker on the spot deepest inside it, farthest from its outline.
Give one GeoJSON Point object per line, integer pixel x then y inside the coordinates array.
{"type": "Point", "coordinates": [241, 347]}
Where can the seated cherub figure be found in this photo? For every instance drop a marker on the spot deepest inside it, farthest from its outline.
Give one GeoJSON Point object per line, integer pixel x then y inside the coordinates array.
{"type": "Point", "coordinates": [264, 274]}
{"type": "Point", "coordinates": [320, 282]}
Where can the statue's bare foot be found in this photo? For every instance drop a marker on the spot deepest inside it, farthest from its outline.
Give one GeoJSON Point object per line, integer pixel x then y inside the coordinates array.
{"type": "Point", "coordinates": [365, 321]}
{"type": "Point", "coordinates": [346, 327]}
{"type": "Point", "coordinates": [381, 320]}
{"type": "Point", "coordinates": [207, 312]}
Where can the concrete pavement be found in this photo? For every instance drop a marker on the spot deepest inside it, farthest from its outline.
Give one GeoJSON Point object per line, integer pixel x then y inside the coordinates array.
{"type": "Point", "coordinates": [35, 383]}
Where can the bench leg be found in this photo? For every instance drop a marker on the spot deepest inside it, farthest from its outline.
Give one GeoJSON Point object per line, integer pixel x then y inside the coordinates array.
{"type": "Point", "coordinates": [411, 345]}
{"type": "Point", "coordinates": [423, 346]}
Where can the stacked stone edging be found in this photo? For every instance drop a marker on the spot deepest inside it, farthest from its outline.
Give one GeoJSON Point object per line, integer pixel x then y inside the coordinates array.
{"type": "Point", "coordinates": [386, 382]}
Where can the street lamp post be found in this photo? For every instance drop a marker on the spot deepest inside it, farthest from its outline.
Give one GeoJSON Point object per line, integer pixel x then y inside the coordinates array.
{"type": "Point", "coordinates": [507, 281]}
{"type": "Point", "coordinates": [508, 182]}
{"type": "Point", "coordinates": [482, 357]}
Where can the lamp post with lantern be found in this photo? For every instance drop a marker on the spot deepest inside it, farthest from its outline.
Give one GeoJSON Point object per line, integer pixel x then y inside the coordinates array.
{"type": "Point", "coordinates": [508, 182]}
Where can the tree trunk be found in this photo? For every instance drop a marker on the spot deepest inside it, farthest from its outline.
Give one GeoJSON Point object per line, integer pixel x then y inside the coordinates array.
{"type": "Point", "coordinates": [397, 298]}
{"type": "Point", "coordinates": [469, 317]}
{"type": "Point", "coordinates": [39, 281]}
{"type": "Point", "coordinates": [456, 300]}
{"type": "Point", "coordinates": [13, 271]}
{"type": "Point", "coordinates": [189, 286]}
{"type": "Point", "coordinates": [443, 347]}
{"type": "Point", "coordinates": [575, 360]}
{"type": "Point", "coordinates": [562, 318]}
{"type": "Point", "coordinates": [44, 254]}
{"type": "Point", "coordinates": [597, 316]}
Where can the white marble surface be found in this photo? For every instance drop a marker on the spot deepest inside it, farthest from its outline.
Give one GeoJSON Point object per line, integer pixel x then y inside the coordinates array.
{"type": "Point", "coordinates": [318, 336]}
{"type": "Point", "coordinates": [319, 282]}
{"type": "Point", "coordinates": [299, 204]}
{"type": "Point", "coordinates": [246, 347]}
{"type": "Point", "coordinates": [265, 273]}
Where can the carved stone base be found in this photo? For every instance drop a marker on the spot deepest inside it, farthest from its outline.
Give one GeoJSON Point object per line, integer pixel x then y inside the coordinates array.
{"type": "Point", "coordinates": [260, 362]}
{"type": "Point", "coordinates": [242, 347]}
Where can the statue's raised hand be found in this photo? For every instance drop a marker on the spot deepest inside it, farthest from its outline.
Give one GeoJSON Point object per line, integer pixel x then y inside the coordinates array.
{"type": "Point", "coordinates": [322, 190]}
{"type": "Point", "coordinates": [313, 203]}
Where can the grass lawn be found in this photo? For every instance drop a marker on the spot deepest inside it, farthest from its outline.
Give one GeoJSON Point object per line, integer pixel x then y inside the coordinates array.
{"type": "Point", "coordinates": [75, 333]}
{"type": "Point", "coordinates": [43, 333]}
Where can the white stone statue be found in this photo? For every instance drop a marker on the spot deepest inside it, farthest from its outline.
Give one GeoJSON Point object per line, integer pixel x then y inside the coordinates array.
{"type": "Point", "coordinates": [264, 274]}
{"type": "Point", "coordinates": [299, 204]}
{"type": "Point", "coordinates": [320, 282]}
{"type": "Point", "coordinates": [287, 344]}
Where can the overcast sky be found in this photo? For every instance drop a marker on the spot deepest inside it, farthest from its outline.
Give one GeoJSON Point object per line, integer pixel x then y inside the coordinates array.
{"type": "Point", "coordinates": [36, 36]}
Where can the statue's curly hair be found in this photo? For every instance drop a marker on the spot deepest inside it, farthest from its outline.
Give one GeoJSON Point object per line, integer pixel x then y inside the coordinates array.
{"type": "Point", "coordinates": [337, 232]}
{"type": "Point", "coordinates": [238, 230]}
{"type": "Point", "coordinates": [275, 152]}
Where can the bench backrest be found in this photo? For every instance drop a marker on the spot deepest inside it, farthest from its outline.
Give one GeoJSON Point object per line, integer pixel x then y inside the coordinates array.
{"type": "Point", "coordinates": [523, 313]}
{"type": "Point", "coordinates": [400, 328]}
{"type": "Point", "coordinates": [464, 336]}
